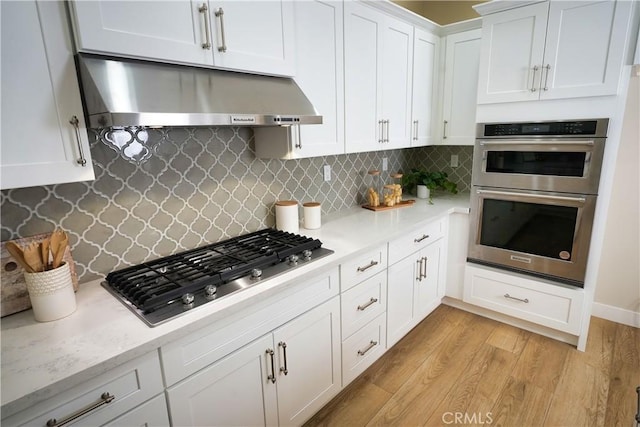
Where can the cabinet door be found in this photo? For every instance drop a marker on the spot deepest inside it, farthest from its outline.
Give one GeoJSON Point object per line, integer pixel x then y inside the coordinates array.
{"type": "Point", "coordinates": [425, 66]}
{"type": "Point", "coordinates": [511, 54]}
{"type": "Point", "coordinates": [169, 30]}
{"type": "Point", "coordinates": [40, 96]}
{"type": "Point", "coordinates": [309, 369]}
{"type": "Point", "coordinates": [234, 391]}
{"type": "Point", "coordinates": [397, 60]}
{"type": "Point", "coordinates": [462, 59]}
{"type": "Point", "coordinates": [584, 48]}
{"type": "Point", "coordinates": [319, 73]}
{"type": "Point", "coordinates": [427, 291]}
{"type": "Point", "coordinates": [254, 36]}
{"type": "Point", "coordinates": [400, 287]}
{"type": "Point", "coordinates": [362, 37]}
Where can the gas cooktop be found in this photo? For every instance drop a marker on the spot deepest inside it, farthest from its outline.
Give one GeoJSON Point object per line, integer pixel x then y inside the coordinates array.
{"type": "Point", "coordinates": [162, 289]}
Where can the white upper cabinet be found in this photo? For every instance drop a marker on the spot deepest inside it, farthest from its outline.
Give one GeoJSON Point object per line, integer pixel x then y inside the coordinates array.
{"type": "Point", "coordinates": [319, 73]}
{"type": "Point", "coordinates": [425, 68]}
{"type": "Point", "coordinates": [255, 36]}
{"type": "Point", "coordinates": [551, 50]}
{"type": "Point", "coordinates": [378, 60]}
{"type": "Point", "coordinates": [462, 58]}
{"type": "Point", "coordinates": [40, 99]}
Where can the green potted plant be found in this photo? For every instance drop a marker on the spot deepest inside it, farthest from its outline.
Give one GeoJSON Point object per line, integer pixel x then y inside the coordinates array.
{"type": "Point", "coordinates": [431, 180]}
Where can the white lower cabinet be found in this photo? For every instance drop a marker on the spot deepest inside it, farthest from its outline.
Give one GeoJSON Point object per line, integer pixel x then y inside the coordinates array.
{"type": "Point", "coordinates": [281, 378]}
{"type": "Point", "coordinates": [116, 395]}
{"type": "Point", "coordinates": [364, 347]}
{"type": "Point", "coordinates": [538, 301]}
{"type": "Point", "coordinates": [415, 288]}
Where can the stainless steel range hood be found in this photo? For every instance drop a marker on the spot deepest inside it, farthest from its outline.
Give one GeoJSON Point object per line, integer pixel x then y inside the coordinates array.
{"type": "Point", "coordinates": [120, 93]}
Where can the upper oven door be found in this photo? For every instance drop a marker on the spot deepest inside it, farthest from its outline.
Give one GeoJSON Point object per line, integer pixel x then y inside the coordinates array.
{"type": "Point", "coordinates": [568, 165]}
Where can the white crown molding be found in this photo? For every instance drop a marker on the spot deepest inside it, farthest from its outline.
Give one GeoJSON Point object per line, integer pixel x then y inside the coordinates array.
{"type": "Point", "coordinates": [502, 5]}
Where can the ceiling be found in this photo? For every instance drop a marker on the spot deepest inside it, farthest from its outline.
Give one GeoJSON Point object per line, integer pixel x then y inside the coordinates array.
{"type": "Point", "coordinates": [442, 12]}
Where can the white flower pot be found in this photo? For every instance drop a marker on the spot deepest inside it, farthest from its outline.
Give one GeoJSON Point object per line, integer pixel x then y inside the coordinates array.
{"type": "Point", "coordinates": [423, 192]}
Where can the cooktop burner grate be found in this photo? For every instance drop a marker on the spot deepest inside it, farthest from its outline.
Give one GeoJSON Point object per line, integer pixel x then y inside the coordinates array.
{"type": "Point", "coordinates": [155, 284]}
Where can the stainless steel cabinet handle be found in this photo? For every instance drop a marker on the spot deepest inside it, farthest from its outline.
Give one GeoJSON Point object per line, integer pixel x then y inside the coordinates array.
{"type": "Point", "coordinates": [299, 142]}
{"type": "Point", "coordinates": [204, 9]}
{"type": "Point", "coordinates": [105, 399]}
{"type": "Point", "coordinates": [424, 236]}
{"type": "Point", "coordinates": [424, 276]}
{"type": "Point", "coordinates": [284, 369]}
{"type": "Point", "coordinates": [369, 303]}
{"type": "Point", "coordinates": [546, 77]}
{"type": "Point", "coordinates": [381, 129]}
{"type": "Point", "coordinates": [220, 14]}
{"type": "Point", "coordinates": [76, 125]}
{"type": "Point", "coordinates": [272, 376]}
{"type": "Point", "coordinates": [415, 126]}
{"type": "Point", "coordinates": [533, 79]}
{"type": "Point", "coordinates": [526, 300]}
{"type": "Point", "coordinates": [365, 268]}
{"type": "Point", "coordinates": [386, 123]}
{"type": "Point", "coordinates": [369, 347]}
{"type": "Point", "coordinates": [419, 267]}
{"type": "Point", "coordinates": [444, 130]}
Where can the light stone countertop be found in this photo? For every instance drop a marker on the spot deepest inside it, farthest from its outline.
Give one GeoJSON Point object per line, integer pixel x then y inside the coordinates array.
{"type": "Point", "coordinates": [39, 360]}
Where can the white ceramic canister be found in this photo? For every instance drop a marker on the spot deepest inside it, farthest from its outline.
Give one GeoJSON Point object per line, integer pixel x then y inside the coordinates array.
{"type": "Point", "coordinates": [287, 216]}
{"type": "Point", "coordinates": [312, 215]}
{"type": "Point", "coordinates": [422, 191]}
{"type": "Point", "coordinates": [51, 293]}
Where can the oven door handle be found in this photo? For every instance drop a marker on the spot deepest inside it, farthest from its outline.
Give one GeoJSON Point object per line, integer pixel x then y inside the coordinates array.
{"type": "Point", "coordinates": [534, 196]}
{"type": "Point", "coordinates": [483, 142]}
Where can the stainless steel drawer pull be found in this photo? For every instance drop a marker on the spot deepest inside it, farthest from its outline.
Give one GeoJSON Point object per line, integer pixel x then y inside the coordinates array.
{"type": "Point", "coordinates": [444, 130]}
{"type": "Point", "coordinates": [369, 347]}
{"type": "Point", "coordinates": [369, 303]}
{"type": "Point", "coordinates": [204, 9]}
{"type": "Point", "coordinates": [272, 376]}
{"type": "Point", "coordinates": [220, 14]}
{"type": "Point", "coordinates": [371, 264]}
{"type": "Point", "coordinates": [526, 300]}
{"type": "Point", "coordinates": [533, 79]}
{"type": "Point", "coordinates": [76, 125]}
{"type": "Point", "coordinates": [418, 240]}
{"type": "Point", "coordinates": [415, 130]}
{"type": "Point", "coordinates": [284, 369]}
{"type": "Point", "coordinates": [105, 399]}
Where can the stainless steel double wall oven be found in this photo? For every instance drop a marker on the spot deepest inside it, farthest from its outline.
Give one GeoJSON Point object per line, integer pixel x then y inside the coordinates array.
{"type": "Point", "coordinates": [534, 191]}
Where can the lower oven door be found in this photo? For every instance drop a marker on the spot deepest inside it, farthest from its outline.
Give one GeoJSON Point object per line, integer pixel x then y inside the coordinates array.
{"type": "Point", "coordinates": [541, 233]}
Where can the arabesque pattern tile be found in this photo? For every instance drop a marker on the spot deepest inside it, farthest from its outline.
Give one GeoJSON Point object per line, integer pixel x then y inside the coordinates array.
{"type": "Point", "coordinates": [179, 188]}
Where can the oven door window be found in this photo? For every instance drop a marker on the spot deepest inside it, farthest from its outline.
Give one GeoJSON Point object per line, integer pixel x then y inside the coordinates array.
{"type": "Point", "coordinates": [571, 163]}
{"type": "Point", "coordinates": [537, 229]}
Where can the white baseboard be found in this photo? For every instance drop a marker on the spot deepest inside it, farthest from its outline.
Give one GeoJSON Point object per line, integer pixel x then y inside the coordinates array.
{"type": "Point", "coordinates": [616, 314]}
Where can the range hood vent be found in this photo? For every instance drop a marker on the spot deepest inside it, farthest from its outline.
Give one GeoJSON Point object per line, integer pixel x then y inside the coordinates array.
{"type": "Point", "coordinates": [124, 93]}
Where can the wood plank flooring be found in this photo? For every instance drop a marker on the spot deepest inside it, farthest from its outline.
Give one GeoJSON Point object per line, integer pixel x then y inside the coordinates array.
{"type": "Point", "coordinates": [456, 368]}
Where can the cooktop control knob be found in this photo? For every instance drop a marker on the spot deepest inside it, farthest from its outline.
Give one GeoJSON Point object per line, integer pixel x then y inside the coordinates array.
{"type": "Point", "coordinates": [187, 300]}
{"type": "Point", "coordinates": [210, 291]}
{"type": "Point", "coordinates": [293, 259]}
{"type": "Point", "coordinates": [307, 254]}
{"type": "Point", "coordinates": [256, 273]}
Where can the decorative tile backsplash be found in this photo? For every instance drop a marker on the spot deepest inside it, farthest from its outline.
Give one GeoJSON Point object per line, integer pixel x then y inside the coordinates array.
{"type": "Point", "coordinates": [195, 186]}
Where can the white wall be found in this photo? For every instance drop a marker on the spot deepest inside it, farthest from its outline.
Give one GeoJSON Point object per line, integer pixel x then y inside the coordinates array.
{"type": "Point", "coordinates": [617, 294]}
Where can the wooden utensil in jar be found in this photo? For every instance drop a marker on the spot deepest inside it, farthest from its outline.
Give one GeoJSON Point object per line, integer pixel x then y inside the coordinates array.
{"type": "Point", "coordinates": [44, 249]}
{"type": "Point", "coordinates": [60, 249]}
{"type": "Point", "coordinates": [33, 257]}
{"type": "Point", "coordinates": [18, 254]}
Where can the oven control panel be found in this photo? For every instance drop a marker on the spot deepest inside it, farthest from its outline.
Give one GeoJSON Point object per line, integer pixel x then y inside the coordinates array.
{"type": "Point", "coordinates": [595, 127]}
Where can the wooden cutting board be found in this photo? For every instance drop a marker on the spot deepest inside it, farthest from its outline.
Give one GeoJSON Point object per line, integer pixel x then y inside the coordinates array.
{"type": "Point", "coordinates": [13, 289]}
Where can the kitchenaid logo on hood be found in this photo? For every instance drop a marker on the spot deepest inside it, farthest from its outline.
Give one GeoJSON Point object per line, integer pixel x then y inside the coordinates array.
{"type": "Point", "coordinates": [243, 119]}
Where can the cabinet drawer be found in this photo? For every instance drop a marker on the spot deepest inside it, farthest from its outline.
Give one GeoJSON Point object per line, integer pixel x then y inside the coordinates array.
{"type": "Point", "coordinates": [414, 241]}
{"type": "Point", "coordinates": [363, 348]}
{"type": "Point", "coordinates": [537, 301]}
{"type": "Point", "coordinates": [362, 267]}
{"type": "Point", "coordinates": [152, 413]}
{"type": "Point", "coordinates": [130, 384]}
{"type": "Point", "coordinates": [363, 303]}
{"type": "Point", "coordinates": [187, 355]}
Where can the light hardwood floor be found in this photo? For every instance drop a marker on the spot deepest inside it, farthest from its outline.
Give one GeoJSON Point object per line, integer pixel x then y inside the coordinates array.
{"type": "Point", "coordinates": [456, 363]}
